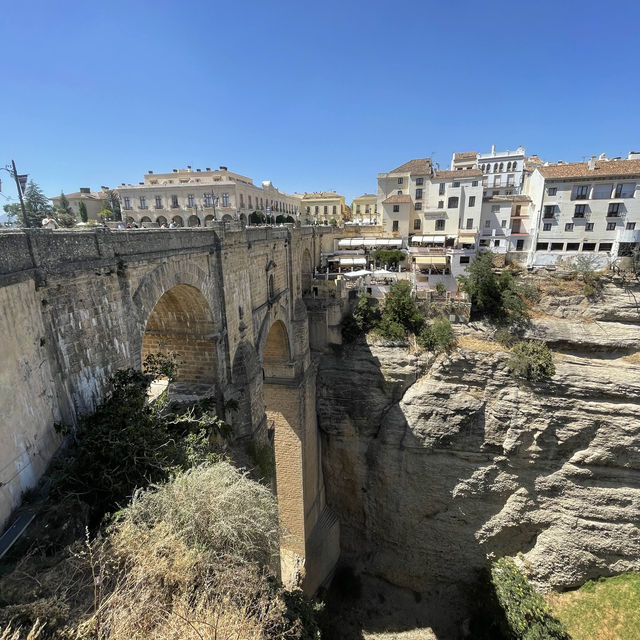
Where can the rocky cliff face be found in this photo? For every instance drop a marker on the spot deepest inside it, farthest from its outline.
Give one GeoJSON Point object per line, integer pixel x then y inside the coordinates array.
{"type": "Point", "coordinates": [435, 464]}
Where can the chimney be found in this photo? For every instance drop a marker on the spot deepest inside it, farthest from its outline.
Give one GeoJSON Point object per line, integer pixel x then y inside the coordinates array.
{"type": "Point", "coordinates": [493, 149]}
{"type": "Point", "coordinates": [592, 163]}
{"type": "Point", "coordinates": [223, 168]}
{"type": "Point", "coordinates": [633, 155]}
{"type": "Point", "coordinates": [603, 156]}
{"type": "Point", "coordinates": [85, 190]}
{"type": "Point", "coordinates": [149, 171]}
{"type": "Point", "coordinates": [198, 170]}
{"type": "Point", "coordinates": [208, 169]}
{"type": "Point", "coordinates": [188, 167]}
{"type": "Point", "coordinates": [175, 171]}
{"type": "Point", "coordinates": [103, 188]}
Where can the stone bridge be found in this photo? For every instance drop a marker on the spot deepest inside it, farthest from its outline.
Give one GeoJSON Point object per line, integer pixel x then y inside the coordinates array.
{"type": "Point", "coordinates": [75, 306]}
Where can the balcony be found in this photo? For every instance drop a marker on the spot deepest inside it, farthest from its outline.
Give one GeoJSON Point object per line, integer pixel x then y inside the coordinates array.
{"type": "Point", "coordinates": [632, 235]}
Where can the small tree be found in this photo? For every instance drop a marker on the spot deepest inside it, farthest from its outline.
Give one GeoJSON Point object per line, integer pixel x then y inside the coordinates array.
{"type": "Point", "coordinates": [36, 206]}
{"type": "Point", "coordinates": [392, 258]}
{"type": "Point", "coordinates": [113, 204]}
{"type": "Point", "coordinates": [105, 215]}
{"type": "Point", "coordinates": [437, 336]}
{"type": "Point", "coordinates": [82, 208]}
{"type": "Point", "coordinates": [532, 361]}
{"type": "Point", "coordinates": [257, 217]}
{"type": "Point", "coordinates": [400, 310]}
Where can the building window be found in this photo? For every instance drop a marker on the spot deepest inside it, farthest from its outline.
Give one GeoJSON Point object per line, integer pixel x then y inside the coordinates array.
{"type": "Point", "coordinates": [474, 183]}
{"type": "Point", "coordinates": [400, 180]}
{"type": "Point", "coordinates": [580, 193]}
{"type": "Point", "coordinates": [317, 208]}
{"type": "Point", "coordinates": [602, 191]}
{"type": "Point", "coordinates": [416, 224]}
{"type": "Point", "coordinates": [326, 209]}
{"type": "Point", "coordinates": [503, 224]}
{"type": "Point", "coordinates": [441, 189]}
{"type": "Point", "coordinates": [440, 225]}
{"type": "Point", "coordinates": [542, 246]}
{"type": "Point", "coordinates": [556, 246]}
{"type": "Point", "coordinates": [497, 180]}
{"type": "Point", "coordinates": [158, 202]}
{"type": "Point", "coordinates": [518, 209]}
{"type": "Point", "coordinates": [456, 184]}
{"type": "Point", "coordinates": [174, 202]}
{"type": "Point", "coordinates": [546, 226]}
{"type": "Point", "coordinates": [250, 205]}
{"type": "Point", "coordinates": [605, 246]}
{"type": "Point", "coordinates": [469, 223]}
{"type": "Point", "coordinates": [552, 191]}
{"type": "Point", "coordinates": [614, 209]}
{"type": "Point", "coordinates": [580, 210]}
{"type": "Point", "coordinates": [495, 208]}
{"type": "Point", "coordinates": [549, 210]}
{"type": "Point", "coordinates": [573, 246]}
{"type": "Point", "coordinates": [207, 199]}
{"type": "Point", "coordinates": [568, 226]}
{"type": "Point", "coordinates": [418, 194]}
{"type": "Point", "coordinates": [367, 208]}
{"type": "Point", "coordinates": [143, 202]}
{"type": "Point", "coordinates": [399, 192]}
{"type": "Point", "coordinates": [625, 190]}
{"type": "Point", "coordinates": [588, 226]}
{"type": "Point", "coordinates": [630, 226]}
{"type": "Point", "coordinates": [225, 199]}
{"type": "Point", "coordinates": [452, 203]}
{"type": "Point", "coordinates": [358, 209]}
{"type": "Point", "coordinates": [485, 181]}
{"type": "Point", "coordinates": [440, 204]}
{"type": "Point", "coordinates": [588, 246]}
{"type": "Point", "coordinates": [519, 245]}
{"type": "Point", "coordinates": [395, 225]}
{"type": "Point", "coordinates": [334, 209]}
{"type": "Point", "coordinates": [472, 201]}
{"type": "Point", "coordinates": [420, 181]}
{"type": "Point", "coordinates": [127, 203]}
{"type": "Point", "coordinates": [611, 226]}
{"type": "Point", "coordinates": [510, 181]}
{"type": "Point", "coordinates": [487, 224]}
{"type": "Point", "coordinates": [191, 200]}
{"type": "Point", "coordinates": [464, 259]}
{"type": "Point", "coordinates": [418, 206]}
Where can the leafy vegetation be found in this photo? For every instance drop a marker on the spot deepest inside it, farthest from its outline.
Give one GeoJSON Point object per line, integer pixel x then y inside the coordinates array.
{"type": "Point", "coordinates": [604, 609]}
{"type": "Point", "coordinates": [82, 208]}
{"type": "Point", "coordinates": [532, 361]}
{"type": "Point", "coordinates": [113, 204]}
{"type": "Point", "coordinates": [36, 205]}
{"type": "Point", "coordinates": [128, 442]}
{"type": "Point", "coordinates": [438, 336]}
{"type": "Point", "coordinates": [584, 268]}
{"type": "Point", "coordinates": [257, 217]}
{"type": "Point", "coordinates": [391, 258]}
{"type": "Point", "coordinates": [400, 310]}
{"type": "Point", "coordinates": [498, 296]}
{"type": "Point", "coordinates": [508, 608]}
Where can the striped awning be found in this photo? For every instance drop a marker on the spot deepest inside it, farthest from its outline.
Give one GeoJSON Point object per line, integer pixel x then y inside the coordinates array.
{"type": "Point", "coordinates": [429, 260]}
{"type": "Point", "coordinates": [428, 239]}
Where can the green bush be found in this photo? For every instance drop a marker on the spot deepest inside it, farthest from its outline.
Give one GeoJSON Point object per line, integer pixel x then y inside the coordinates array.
{"type": "Point", "coordinates": [391, 258]}
{"type": "Point", "coordinates": [400, 308]}
{"type": "Point", "coordinates": [437, 336]}
{"type": "Point", "coordinates": [364, 318]}
{"type": "Point", "coordinates": [498, 296]}
{"type": "Point", "coordinates": [505, 337]}
{"type": "Point", "coordinates": [390, 329]}
{"type": "Point", "coordinates": [526, 613]}
{"type": "Point", "coordinates": [441, 289]}
{"type": "Point", "coordinates": [531, 360]}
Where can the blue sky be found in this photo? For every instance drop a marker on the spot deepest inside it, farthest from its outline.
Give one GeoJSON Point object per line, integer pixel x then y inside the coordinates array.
{"type": "Point", "coordinates": [313, 96]}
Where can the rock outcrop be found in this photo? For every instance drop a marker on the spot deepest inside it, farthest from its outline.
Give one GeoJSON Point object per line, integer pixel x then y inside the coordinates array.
{"type": "Point", "coordinates": [435, 465]}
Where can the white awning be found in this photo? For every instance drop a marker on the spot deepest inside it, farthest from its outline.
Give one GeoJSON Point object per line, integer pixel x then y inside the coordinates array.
{"type": "Point", "coordinates": [357, 274]}
{"type": "Point", "coordinates": [352, 261]}
{"type": "Point", "coordinates": [351, 242]}
{"type": "Point", "coordinates": [370, 242]}
{"type": "Point", "coordinates": [428, 239]}
{"type": "Point", "coordinates": [417, 239]}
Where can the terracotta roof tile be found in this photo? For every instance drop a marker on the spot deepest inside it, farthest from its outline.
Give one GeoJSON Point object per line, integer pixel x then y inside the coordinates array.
{"type": "Point", "coordinates": [603, 169]}
{"type": "Point", "coordinates": [397, 199]}
{"type": "Point", "coordinates": [460, 173]}
{"type": "Point", "coordinates": [420, 166]}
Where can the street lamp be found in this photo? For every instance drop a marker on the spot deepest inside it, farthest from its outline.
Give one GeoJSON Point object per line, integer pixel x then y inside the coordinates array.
{"type": "Point", "coordinates": [21, 183]}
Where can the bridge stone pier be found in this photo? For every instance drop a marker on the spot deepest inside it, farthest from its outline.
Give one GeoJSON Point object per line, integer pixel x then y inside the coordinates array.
{"type": "Point", "coordinates": [75, 306]}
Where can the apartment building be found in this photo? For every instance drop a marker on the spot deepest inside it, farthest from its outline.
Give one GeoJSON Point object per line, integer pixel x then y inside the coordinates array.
{"type": "Point", "coordinates": [588, 208]}
{"type": "Point", "coordinates": [196, 198]}
{"type": "Point", "coordinates": [323, 207]}
{"type": "Point", "coordinates": [364, 209]}
{"type": "Point", "coordinates": [94, 201]}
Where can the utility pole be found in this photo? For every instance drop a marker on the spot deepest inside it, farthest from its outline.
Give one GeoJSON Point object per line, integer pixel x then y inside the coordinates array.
{"type": "Point", "coordinates": [24, 212]}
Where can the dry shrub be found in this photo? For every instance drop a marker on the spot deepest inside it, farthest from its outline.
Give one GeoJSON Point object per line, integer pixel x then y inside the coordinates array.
{"type": "Point", "coordinates": [474, 343]}
{"type": "Point", "coordinates": [14, 634]}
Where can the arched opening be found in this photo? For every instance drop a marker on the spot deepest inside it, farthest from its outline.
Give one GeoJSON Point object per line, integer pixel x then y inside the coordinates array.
{"type": "Point", "coordinates": [193, 221]}
{"type": "Point", "coordinates": [243, 219]}
{"type": "Point", "coordinates": [129, 220]}
{"type": "Point", "coordinates": [307, 271]}
{"type": "Point", "coordinates": [182, 323]}
{"type": "Point", "coordinates": [161, 220]}
{"type": "Point", "coordinates": [208, 220]}
{"type": "Point", "coordinates": [146, 219]}
{"type": "Point", "coordinates": [226, 218]}
{"type": "Point", "coordinates": [178, 221]}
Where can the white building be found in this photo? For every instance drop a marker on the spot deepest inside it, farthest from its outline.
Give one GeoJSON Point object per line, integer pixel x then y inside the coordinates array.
{"type": "Point", "coordinates": [502, 171]}
{"type": "Point", "coordinates": [588, 208]}
{"type": "Point", "coordinates": [195, 198]}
